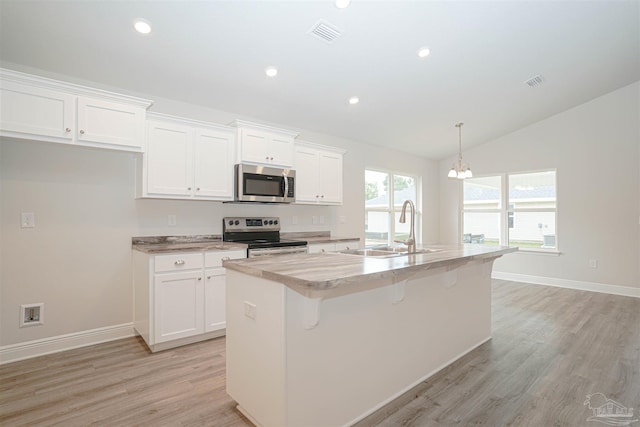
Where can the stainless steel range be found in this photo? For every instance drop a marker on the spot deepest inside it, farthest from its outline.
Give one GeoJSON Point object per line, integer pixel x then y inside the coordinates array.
{"type": "Point", "coordinates": [261, 235]}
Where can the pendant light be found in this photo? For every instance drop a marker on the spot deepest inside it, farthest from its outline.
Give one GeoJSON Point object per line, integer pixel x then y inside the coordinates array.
{"type": "Point", "coordinates": [460, 170]}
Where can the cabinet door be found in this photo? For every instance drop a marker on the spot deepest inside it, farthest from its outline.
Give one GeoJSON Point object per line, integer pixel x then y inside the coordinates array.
{"type": "Point", "coordinates": [254, 146]}
{"type": "Point", "coordinates": [169, 159]}
{"type": "Point", "coordinates": [34, 111]}
{"type": "Point", "coordinates": [330, 180]}
{"type": "Point", "coordinates": [321, 247]}
{"type": "Point", "coordinates": [119, 126]}
{"type": "Point", "coordinates": [281, 150]}
{"type": "Point", "coordinates": [178, 305]}
{"type": "Point", "coordinates": [215, 299]}
{"type": "Point", "coordinates": [306, 166]}
{"type": "Point", "coordinates": [213, 164]}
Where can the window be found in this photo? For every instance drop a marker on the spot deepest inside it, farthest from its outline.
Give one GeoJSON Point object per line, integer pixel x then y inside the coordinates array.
{"type": "Point", "coordinates": [384, 195]}
{"type": "Point", "coordinates": [517, 209]}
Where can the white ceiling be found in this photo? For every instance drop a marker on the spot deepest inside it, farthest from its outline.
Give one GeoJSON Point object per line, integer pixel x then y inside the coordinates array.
{"type": "Point", "coordinates": [213, 53]}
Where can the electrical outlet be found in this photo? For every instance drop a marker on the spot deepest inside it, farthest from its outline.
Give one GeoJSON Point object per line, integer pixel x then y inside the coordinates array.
{"type": "Point", "coordinates": [27, 220]}
{"type": "Point", "coordinates": [321, 219]}
{"type": "Point", "coordinates": [171, 221]}
{"type": "Point", "coordinates": [342, 219]}
{"type": "Point", "coordinates": [250, 310]}
{"type": "Point", "coordinates": [31, 314]}
{"type": "Point", "coordinates": [593, 263]}
{"type": "Point", "coordinates": [314, 220]}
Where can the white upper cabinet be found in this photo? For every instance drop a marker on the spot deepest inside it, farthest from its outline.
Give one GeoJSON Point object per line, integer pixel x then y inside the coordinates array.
{"type": "Point", "coordinates": [318, 174]}
{"type": "Point", "coordinates": [112, 123]}
{"type": "Point", "coordinates": [264, 145]}
{"type": "Point", "coordinates": [42, 109]}
{"type": "Point", "coordinates": [187, 159]}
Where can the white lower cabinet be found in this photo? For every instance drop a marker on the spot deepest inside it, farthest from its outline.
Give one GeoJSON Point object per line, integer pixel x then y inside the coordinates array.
{"type": "Point", "coordinates": [179, 298]}
{"type": "Point", "coordinates": [333, 247]}
{"type": "Point", "coordinates": [178, 307]}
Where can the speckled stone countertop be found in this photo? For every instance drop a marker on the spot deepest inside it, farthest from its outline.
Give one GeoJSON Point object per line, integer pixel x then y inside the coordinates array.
{"type": "Point", "coordinates": [213, 242]}
{"type": "Point", "coordinates": [327, 275]}
{"type": "Point", "coordinates": [166, 244]}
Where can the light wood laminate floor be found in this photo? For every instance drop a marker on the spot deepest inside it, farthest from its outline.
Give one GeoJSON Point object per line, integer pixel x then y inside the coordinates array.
{"type": "Point", "coordinates": [551, 347]}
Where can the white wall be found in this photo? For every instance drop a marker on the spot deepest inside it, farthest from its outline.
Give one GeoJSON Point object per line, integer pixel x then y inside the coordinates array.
{"type": "Point", "coordinates": [595, 149]}
{"type": "Point", "coordinates": [77, 258]}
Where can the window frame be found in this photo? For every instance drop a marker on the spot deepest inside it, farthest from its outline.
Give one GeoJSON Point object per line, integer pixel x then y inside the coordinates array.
{"type": "Point", "coordinates": [391, 209]}
{"type": "Point", "coordinates": [506, 209]}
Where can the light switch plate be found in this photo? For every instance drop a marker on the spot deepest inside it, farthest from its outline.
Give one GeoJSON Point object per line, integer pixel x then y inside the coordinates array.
{"type": "Point", "coordinates": [28, 220]}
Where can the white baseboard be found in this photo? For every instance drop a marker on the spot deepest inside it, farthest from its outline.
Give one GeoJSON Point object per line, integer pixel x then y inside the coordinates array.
{"type": "Point", "coordinates": [570, 284]}
{"type": "Point", "coordinates": [29, 349]}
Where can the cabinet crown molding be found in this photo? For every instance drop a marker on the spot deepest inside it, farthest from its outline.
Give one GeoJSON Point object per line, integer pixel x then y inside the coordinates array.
{"type": "Point", "coordinates": [190, 122]}
{"type": "Point", "coordinates": [71, 88]}
{"type": "Point", "coordinates": [320, 147]}
{"type": "Point", "coordinates": [242, 124]}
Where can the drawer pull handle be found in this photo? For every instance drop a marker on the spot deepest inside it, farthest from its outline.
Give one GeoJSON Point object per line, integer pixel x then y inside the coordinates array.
{"type": "Point", "coordinates": [179, 262]}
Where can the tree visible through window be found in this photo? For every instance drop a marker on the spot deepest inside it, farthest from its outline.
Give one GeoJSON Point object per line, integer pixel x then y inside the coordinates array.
{"type": "Point", "coordinates": [384, 195]}
{"type": "Point", "coordinates": [517, 209]}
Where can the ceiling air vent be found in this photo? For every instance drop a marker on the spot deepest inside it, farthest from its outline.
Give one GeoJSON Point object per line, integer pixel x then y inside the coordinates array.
{"type": "Point", "coordinates": [324, 31]}
{"type": "Point", "coordinates": [534, 81]}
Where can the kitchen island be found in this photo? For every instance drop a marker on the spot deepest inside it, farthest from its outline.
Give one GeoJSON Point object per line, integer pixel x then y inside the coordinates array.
{"type": "Point", "coordinates": [326, 339]}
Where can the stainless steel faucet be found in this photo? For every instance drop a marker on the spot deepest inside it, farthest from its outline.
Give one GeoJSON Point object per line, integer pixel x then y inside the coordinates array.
{"type": "Point", "coordinates": [411, 241]}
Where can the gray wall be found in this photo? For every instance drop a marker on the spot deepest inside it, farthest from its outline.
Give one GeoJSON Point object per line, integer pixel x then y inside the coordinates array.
{"type": "Point", "coordinates": [595, 149]}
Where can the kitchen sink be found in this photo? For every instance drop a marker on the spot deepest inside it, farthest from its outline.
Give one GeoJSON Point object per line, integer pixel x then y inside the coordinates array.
{"type": "Point", "coordinates": [386, 251]}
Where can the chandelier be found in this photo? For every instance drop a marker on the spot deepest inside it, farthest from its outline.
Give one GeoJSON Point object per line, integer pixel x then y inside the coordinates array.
{"type": "Point", "coordinates": [460, 170]}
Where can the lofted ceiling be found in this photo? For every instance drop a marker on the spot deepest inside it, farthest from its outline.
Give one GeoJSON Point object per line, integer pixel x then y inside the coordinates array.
{"type": "Point", "coordinates": [214, 53]}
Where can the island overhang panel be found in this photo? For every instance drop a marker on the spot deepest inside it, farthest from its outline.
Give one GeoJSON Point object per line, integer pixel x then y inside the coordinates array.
{"type": "Point", "coordinates": [296, 358]}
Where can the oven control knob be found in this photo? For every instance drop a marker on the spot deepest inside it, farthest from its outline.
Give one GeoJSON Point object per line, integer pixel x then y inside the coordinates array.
{"type": "Point", "coordinates": [230, 222]}
{"type": "Point", "coordinates": [270, 222]}
{"type": "Point", "coordinates": [236, 222]}
{"type": "Point", "coordinates": [275, 222]}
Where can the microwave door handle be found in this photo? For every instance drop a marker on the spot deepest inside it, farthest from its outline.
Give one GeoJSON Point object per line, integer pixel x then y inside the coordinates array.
{"type": "Point", "coordinates": [286, 186]}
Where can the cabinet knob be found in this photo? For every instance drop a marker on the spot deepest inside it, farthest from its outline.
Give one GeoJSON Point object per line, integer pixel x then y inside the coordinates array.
{"type": "Point", "coordinates": [67, 130]}
{"type": "Point", "coordinates": [199, 278]}
{"type": "Point", "coordinates": [179, 262]}
{"type": "Point", "coordinates": [266, 158]}
{"type": "Point", "coordinates": [208, 277]}
{"type": "Point", "coordinates": [198, 189]}
{"type": "Point", "coordinates": [317, 196]}
{"type": "Point", "coordinates": [270, 158]}
{"type": "Point", "coordinates": [81, 132]}
{"type": "Point", "coordinates": [322, 197]}
{"type": "Point", "coordinates": [189, 188]}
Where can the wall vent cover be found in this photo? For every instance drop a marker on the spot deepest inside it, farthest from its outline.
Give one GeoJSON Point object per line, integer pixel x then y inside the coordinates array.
{"type": "Point", "coordinates": [534, 81]}
{"type": "Point", "coordinates": [325, 31]}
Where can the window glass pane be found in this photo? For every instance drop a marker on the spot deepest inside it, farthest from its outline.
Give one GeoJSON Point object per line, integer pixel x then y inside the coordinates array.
{"type": "Point", "coordinates": [404, 188]}
{"type": "Point", "coordinates": [402, 230]}
{"type": "Point", "coordinates": [533, 230]}
{"type": "Point", "coordinates": [376, 189]}
{"type": "Point", "coordinates": [482, 193]}
{"type": "Point", "coordinates": [532, 190]}
{"type": "Point", "coordinates": [481, 227]}
{"type": "Point", "coordinates": [376, 227]}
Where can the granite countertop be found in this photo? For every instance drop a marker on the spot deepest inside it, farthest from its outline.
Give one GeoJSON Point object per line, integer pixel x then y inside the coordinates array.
{"type": "Point", "coordinates": [166, 244]}
{"type": "Point", "coordinates": [327, 275]}
{"type": "Point", "coordinates": [213, 242]}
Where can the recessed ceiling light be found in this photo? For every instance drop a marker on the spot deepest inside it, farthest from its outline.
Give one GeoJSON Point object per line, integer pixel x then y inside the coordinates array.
{"type": "Point", "coordinates": [423, 52]}
{"type": "Point", "coordinates": [341, 4]}
{"type": "Point", "coordinates": [271, 71]}
{"type": "Point", "coordinates": [142, 26]}
{"type": "Point", "coordinates": [354, 100]}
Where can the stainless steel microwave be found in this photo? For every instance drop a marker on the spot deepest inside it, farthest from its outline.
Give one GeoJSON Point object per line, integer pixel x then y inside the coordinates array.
{"type": "Point", "coordinates": [264, 184]}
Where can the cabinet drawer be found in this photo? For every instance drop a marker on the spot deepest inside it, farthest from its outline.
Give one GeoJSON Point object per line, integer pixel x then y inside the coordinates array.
{"type": "Point", "coordinates": [213, 259]}
{"type": "Point", "coordinates": [178, 262]}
